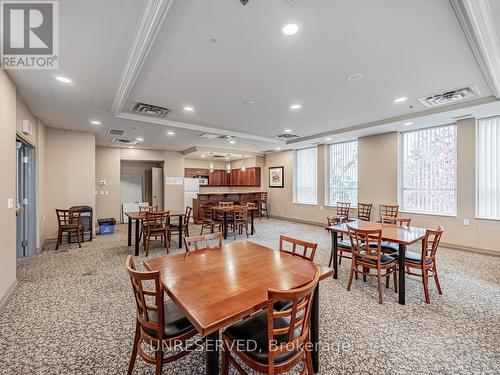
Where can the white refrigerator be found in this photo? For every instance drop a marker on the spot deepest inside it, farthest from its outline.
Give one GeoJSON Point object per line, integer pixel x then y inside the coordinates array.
{"type": "Point", "coordinates": [191, 190]}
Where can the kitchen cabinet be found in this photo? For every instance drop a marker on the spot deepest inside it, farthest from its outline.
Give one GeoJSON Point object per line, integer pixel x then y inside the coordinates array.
{"type": "Point", "coordinates": [220, 177]}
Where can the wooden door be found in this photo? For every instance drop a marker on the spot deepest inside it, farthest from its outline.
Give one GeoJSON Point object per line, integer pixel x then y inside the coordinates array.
{"type": "Point", "coordinates": [157, 187]}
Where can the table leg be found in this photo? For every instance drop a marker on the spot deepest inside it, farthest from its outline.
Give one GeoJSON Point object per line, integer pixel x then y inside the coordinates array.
{"type": "Point", "coordinates": [212, 350]}
{"type": "Point", "coordinates": [180, 230]}
{"type": "Point", "coordinates": [129, 232]}
{"type": "Point", "coordinates": [137, 236]}
{"type": "Point", "coordinates": [334, 255]}
{"type": "Point", "coordinates": [402, 272]}
{"type": "Point", "coordinates": [315, 330]}
{"type": "Point", "coordinates": [224, 226]}
{"type": "Point", "coordinates": [252, 228]}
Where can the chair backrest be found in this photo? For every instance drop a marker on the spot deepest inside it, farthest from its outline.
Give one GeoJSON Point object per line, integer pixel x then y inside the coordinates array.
{"type": "Point", "coordinates": [401, 221]}
{"type": "Point", "coordinates": [430, 244]}
{"type": "Point", "coordinates": [193, 243]}
{"type": "Point", "coordinates": [206, 213]}
{"type": "Point", "coordinates": [365, 211]}
{"type": "Point", "coordinates": [226, 204]}
{"type": "Point", "coordinates": [388, 210]}
{"type": "Point", "coordinates": [251, 205]}
{"type": "Point", "coordinates": [148, 208]}
{"type": "Point", "coordinates": [365, 244]}
{"type": "Point", "coordinates": [187, 216]}
{"type": "Point", "coordinates": [147, 300]}
{"type": "Point", "coordinates": [331, 220]}
{"type": "Point", "coordinates": [67, 217]}
{"type": "Point", "coordinates": [299, 248]}
{"type": "Point", "coordinates": [343, 208]}
{"type": "Point", "coordinates": [240, 213]}
{"type": "Point", "coordinates": [156, 220]}
{"type": "Point", "coordinates": [298, 317]}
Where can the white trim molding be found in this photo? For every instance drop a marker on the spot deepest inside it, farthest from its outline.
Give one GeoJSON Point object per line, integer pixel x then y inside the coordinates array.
{"type": "Point", "coordinates": [4, 300]}
{"type": "Point", "coordinates": [476, 20]}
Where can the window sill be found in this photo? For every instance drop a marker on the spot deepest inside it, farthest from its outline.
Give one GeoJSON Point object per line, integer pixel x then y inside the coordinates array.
{"type": "Point", "coordinates": [305, 204]}
{"type": "Point", "coordinates": [486, 218]}
{"type": "Point", "coordinates": [427, 213]}
{"type": "Point", "coordinates": [333, 206]}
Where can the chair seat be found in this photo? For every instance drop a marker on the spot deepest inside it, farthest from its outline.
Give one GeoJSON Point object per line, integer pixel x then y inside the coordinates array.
{"type": "Point", "coordinates": [71, 226]}
{"type": "Point", "coordinates": [384, 259]}
{"type": "Point", "coordinates": [412, 257]}
{"type": "Point", "coordinates": [255, 328]}
{"type": "Point", "coordinates": [389, 247]}
{"type": "Point", "coordinates": [344, 244]}
{"type": "Point", "coordinates": [175, 323]}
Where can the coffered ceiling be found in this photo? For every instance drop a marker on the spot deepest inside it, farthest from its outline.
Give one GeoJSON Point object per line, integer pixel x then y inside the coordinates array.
{"type": "Point", "coordinates": [227, 69]}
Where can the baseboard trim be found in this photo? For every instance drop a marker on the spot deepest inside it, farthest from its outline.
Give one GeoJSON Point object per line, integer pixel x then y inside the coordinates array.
{"type": "Point", "coordinates": [6, 298]}
{"type": "Point", "coordinates": [467, 249]}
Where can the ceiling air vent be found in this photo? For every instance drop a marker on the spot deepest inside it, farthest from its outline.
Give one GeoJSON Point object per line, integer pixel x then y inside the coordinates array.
{"type": "Point", "coordinates": [118, 132]}
{"type": "Point", "coordinates": [286, 136]}
{"type": "Point", "coordinates": [118, 141]}
{"type": "Point", "coordinates": [209, 135]}
{"type": "Point", "coordinates": [150, 110]}
{"type": "Point", "coordinates": [450, 97]}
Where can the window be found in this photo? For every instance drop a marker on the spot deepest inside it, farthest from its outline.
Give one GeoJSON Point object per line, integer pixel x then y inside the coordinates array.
{"type": "Point", "coordinates": [488, 168]}
{"type": "Point", "coordinates": [428, 165]}
{"type": "Point", "coordinates": [343, 173]}
{"type": "Point", "coordinates": [305, 181]}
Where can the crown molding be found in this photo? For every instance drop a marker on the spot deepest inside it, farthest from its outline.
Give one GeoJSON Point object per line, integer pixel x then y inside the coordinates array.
{"type": "Point", "coordinates": [152, 17]}
{"type": "Point", "coordinates": [189, 126]}
{"type": "Point", "coordinates": [477, 23]}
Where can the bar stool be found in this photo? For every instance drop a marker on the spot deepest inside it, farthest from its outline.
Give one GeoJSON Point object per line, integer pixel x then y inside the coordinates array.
{"type": "Point", "coordinates": [263, 205]}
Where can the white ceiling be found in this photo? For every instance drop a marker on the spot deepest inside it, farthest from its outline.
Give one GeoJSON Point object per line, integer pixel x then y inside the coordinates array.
{"type": "Point", "coordinates": [403, 48]}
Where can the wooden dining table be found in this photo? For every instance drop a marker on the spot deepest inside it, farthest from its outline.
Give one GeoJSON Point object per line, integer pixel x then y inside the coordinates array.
{"type": "Point", "coordinates": [138, 217]}
{"type": "Point", "coordinates": [226, 213]}
{"type": "Point", "coordinates": [401, 235]}
{"type": "Point", "coordinates": [217, 287]}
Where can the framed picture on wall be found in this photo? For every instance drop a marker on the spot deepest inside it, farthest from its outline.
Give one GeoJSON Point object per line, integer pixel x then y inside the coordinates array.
{"type": "Point", "coordinates": [276, 177]}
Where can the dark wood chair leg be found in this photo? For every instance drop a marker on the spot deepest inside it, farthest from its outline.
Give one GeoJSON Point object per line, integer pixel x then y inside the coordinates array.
{"type": "Point", "coordinates": [340, 256]}
{"type": "Point", "coordinates": [134, 349]}
{"type": "Point", "coordinates": [159, 360]}
{"type": "Point", "coordinates": [309, 363]}
{"type": "Point", "coordinates": [426, 285]}
{"type": "Point", "coordinates": [395, 281]}
{"type": "Point", "coordinates": [379, 286]}
{"type": "Point", "coordinates": [225, 362]}
{"type": "Point", "coordinates": [350, 277]}
{"type": "Point", "coordinates": [436, 280]}
{"type": "Point", "coordinates": [59, 239]}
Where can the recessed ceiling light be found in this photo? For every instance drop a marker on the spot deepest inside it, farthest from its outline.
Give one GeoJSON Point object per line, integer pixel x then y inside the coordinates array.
{"type": "Point", "coordinates": [278, 148]}
{"type": "Point", "coordinates": [354, 77]}
{"type": "Point", "coordinates": [232, 142]}
{"type": "Point", "coordinates": [139, 139]}
{"type": "Point", "coordinates": [130, 146]}
{"type": "Point", "coordinates": [401, 100]}
{"type": "Point", "coordinates": [296, 106]}
{"type": "Point", "coordinates": [288, 130]}
{"type": "Point", "coordinates": [95, 122]}
{"type": "Point", "coordinates": [328, 139]}
{"type": "Point", "coordinates": [408, 123]}
{"type": "Point", "coordinates": [170, 132]}
{"type": "Point", "coordinates": [188, 108]}
{"type": "Point", "coordinates": [249, 102]}
{"type": "Point", "coordinates": [290, 29]}
{"type": "Point", "coordinates": [63, 79]}
{"type": "Point", "coordinates": [203, 156]}
{"type": "Point", "coordinates": [226, 158]}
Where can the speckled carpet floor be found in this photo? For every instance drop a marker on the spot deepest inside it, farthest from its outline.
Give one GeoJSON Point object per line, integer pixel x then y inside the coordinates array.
{"type": "Point", "coordinates": [73, 313]}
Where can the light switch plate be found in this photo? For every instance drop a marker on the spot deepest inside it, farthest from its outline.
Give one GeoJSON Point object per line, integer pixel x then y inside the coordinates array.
{"type": "Point", "coordinates": [10, 203]}
{"type": "Point", "coordinates": [466, 222]}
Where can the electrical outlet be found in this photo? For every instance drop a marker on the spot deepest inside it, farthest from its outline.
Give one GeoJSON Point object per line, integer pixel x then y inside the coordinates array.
{"type": "Point", "coordinates": [466, 222]}
{"type": "Point", "coordinates": [10, 203]}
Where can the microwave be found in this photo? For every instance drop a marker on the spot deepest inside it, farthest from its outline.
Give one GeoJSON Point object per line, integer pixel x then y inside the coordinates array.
{"type": "Point", "coordinates": [203, 181]}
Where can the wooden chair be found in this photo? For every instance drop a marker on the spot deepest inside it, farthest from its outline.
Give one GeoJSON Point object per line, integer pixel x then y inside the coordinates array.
{"type": "Point", "coordinates": [388, 211]}
{"type": "Point", "coordinates": [174, 228]}
{"type": "Point", "coordinates": [365, 211]}
{"type": "Point", "coordinates": [156, 227]}
{"type": "Point", "coordinates": [69, 222]}
{"type": "Point", "coordinates": [391, 247]}
{"type": "Point", "coordinates": [367, 253]}
{"type": "Point", "coordinates": [192, 243]}
{"type": "Point", "coordinates": [279, 339]}
{"type": "Point", "coordinates": [342, 244]}
{"type": "Point", "coordinates": [158, 323]}
{"type": "Point", "coordinates": [425, 261]}
{"type": "Point", "coordinates": [239, 221]}
{"type": "Point", "coordinates": [263, 205]}
{"type": "Point", "coordinates": [207, 221]}
{"type": "Point", "coordinates": [226, 204]}
{"type": "Point", "coordinates": [299, 248]}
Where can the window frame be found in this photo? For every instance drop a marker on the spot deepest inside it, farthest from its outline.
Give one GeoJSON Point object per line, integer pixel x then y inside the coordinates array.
{"type": "Point", "coordinates": [328, 203]}
{"type": "Point", "coordinates": [476, 168]}
{"type": "Point", "coordinates": [295, 180]}
{"type": "Point", "coordinates": [400, 178]}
